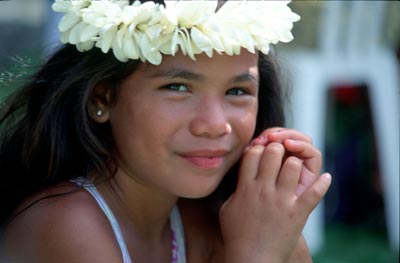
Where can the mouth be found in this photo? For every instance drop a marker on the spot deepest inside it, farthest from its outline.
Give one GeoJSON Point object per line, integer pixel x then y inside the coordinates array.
{"type": "Point", "coordinates": [205, 159]}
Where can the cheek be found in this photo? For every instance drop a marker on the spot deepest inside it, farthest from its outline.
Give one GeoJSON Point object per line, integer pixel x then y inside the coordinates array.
{"type": "Point", "coordinates": [244, 124]}
{"type": "Point", "coordinates": [127, 121]}
{"type": "Point", "coordinates": [144, 125]}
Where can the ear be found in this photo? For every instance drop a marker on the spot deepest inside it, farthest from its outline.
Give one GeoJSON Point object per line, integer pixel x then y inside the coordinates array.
{"type": "Point", "coordinates": [99, 103]}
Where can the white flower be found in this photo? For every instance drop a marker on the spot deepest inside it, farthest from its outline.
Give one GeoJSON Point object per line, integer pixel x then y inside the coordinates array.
{"type": "Point", "coordinates": [148, 31]}
{"type": "Point", "coordinates": [68, 21]}
{"type": "Point", "coordinates": [70, 6]}
{"type": "Point", "coordinates": [106, 38]}
{"type": "Point", "coordinates": [202, 41]}
{"type": "Point", "coordinates": [192, 13]}
{"type": "Point", "coordinates": [101, 13]}
{"type": "Point", "coordinates": [72, 10]}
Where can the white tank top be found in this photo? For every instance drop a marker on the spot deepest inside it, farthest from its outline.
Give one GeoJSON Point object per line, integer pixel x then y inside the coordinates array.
{"type": "Point", "coordinates": [178, 242]}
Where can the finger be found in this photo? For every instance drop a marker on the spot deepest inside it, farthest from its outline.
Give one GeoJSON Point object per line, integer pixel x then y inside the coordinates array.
{"type": "Point", "coordinates": [307, 179]}
{"type": "Point", "coordinates": [289, 176]}
{"type": "Point", "coordinates": [279, 135]}
{"type": "Point", "coordinates": [270, 165]}
{"type": "Point", "coordinates": [302, 148]}
{"type": "Point", "coordinates": [249, 165]}
{"type": "Point", "coordinates": [314, 194]}
{"type": "Point", "coordinates": [306, 151]}
{"type": "Point", "coordinates": [260, 140]}
{"type": "Point", "coordinates": [263, 137]}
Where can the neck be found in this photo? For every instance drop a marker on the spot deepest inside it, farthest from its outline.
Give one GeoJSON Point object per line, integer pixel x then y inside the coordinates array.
{"type": "Point", "coordinates": [140, 208]}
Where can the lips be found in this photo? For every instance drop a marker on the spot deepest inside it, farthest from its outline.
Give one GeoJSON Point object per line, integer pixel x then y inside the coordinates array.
{"type": "Point", "coordinates": [205, 159]}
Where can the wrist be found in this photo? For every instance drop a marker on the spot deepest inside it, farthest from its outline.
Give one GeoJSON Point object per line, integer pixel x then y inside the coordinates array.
{"type": "Point", "coordinates": [241, 253]}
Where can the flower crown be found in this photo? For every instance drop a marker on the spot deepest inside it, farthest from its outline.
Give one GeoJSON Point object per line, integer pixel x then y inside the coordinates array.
{"type": "Point", "coordinates": [147, 30]}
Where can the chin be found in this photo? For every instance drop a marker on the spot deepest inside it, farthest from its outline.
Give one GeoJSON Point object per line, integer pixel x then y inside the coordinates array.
{"type": "Point", "coordinates": [198, 192]}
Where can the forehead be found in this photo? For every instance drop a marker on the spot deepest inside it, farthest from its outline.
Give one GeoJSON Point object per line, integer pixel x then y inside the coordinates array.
{"type": "Point", "coordinates": [218, 65]}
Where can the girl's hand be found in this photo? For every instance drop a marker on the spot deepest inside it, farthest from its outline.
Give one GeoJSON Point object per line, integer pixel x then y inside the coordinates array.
{"type": "Point", "coordinates": [263, 219]}
{"type": "Point", "coordinates": [299, 145]}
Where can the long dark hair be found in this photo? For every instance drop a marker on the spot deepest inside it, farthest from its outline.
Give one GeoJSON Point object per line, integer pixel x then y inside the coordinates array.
{"type": "Point", "coordinates": [47, 135]}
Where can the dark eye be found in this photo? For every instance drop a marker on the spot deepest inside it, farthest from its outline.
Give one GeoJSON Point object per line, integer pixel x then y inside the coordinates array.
{"type": "Point", "coordinates": [179, 87]}
{"type": "Point", "coordinates": [237, 92]}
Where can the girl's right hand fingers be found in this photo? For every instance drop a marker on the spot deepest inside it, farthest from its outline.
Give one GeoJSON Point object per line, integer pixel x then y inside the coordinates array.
{"type": "Point", "coordinates": [249, 164]}
{"type": "Point", "coordinates": [279, 134]}
{"type": "Point", "coordinates": [271, 216]}
{"type": "Point", "coordinates": [270, 165]}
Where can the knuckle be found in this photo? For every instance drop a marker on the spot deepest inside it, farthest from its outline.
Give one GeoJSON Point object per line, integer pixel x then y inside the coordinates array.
{"type": "Point", "coordinates": [275, 129]}
{"type": "Point", "coordinates": [318, 154]}
{"type": "Point", "coordinates": [255, 150]}
{"type": "Point", "coordinates": [294, 162]}
{"type": "Point", "coordinates": [308, 138]}
{"type": "Point", "coordinates": [275, 149]}
{"type": "Point", "coordinates": [316, 194]}
{"type": "Point", "coordinates": [265, 194]}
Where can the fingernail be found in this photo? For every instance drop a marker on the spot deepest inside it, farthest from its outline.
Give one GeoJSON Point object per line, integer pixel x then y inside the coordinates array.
{"type": "Point", "coordinates": [258, 140]}
{"type": "Point", "coordinates": [327, 176]}
{"type": "Point", "coordinates": [261, 138]}
{"type": "Point", "coordinates": [291, 140]}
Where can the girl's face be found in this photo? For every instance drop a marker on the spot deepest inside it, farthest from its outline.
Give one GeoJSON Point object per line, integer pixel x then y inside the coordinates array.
{"type": "Point", "coordinates": [180, 126]}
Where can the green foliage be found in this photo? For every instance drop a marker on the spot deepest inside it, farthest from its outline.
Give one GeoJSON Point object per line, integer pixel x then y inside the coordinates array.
{"type": "Point", "coordinates": [355, 244]}
{"type": "Point", "coordinates": [17, 72]}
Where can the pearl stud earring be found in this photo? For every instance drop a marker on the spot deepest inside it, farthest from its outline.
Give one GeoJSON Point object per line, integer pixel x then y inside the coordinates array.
{"type": "Point", "coordinates": [99, 113]}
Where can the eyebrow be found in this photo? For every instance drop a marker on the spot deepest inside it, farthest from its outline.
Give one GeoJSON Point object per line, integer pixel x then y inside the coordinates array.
{"type": "Point", "coordinates": [175, 72]}
{"type": "Point", "coordinates": [178, 73]}
{"type": "Point", "coordinates": [245, 77]}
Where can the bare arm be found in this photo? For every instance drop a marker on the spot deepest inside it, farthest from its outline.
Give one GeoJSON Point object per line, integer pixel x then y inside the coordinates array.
{"type": "Point", "coordinates": [67, 229]}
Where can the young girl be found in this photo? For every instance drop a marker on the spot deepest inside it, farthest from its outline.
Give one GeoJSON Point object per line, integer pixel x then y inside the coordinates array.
{"type": "Point", "coordinates": [149, 137]}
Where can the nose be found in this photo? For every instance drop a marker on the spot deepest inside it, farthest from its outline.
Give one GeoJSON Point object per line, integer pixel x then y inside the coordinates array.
{"type": "Point", "coordinates": [210, 119]}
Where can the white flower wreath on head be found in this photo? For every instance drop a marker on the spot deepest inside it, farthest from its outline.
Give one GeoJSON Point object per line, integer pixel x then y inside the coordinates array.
{"type": "Point", "coordinates": [148, 30]}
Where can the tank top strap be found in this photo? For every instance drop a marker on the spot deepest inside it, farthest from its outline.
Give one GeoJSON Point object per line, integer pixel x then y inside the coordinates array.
{"type": "Point", "coordinates": [89, 187]}
{"type": "Point", "coordinates": [179, 250]}
{"type": "Point", "coordinates": [178, 243]}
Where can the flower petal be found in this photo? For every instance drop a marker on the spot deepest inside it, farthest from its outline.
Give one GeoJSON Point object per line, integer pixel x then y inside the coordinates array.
{"type": "Point", "coordinates": [131, 49]}
{"type": "Point", "coordinates": [75, 34]}
{"type": "Point", "coordinates": [89, 32]}
{"type": "Point", "coordinates": [68, 21]}
{"type": "Point", "coordinates": [150, 54]}
{"type": "Point", "coordinates": [107, 38]}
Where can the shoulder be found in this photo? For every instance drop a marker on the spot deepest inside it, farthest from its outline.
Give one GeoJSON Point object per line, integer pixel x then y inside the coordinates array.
{"type": "Point", "coordinates": [203, 238]}
{"type": "Point", "coordinates": [66, 225]}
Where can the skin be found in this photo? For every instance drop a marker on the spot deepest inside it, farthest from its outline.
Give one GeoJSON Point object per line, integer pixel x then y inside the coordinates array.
{"type": "Point", "coordinates": [279, 185]}
{"type": "Point", "coordinates": [194, 120]}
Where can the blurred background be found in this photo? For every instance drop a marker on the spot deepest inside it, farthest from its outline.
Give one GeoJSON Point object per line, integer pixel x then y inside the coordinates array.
{"type": "Point", "coordinates": [343, 68]}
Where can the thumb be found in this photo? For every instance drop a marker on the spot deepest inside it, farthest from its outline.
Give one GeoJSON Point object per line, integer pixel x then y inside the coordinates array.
{"type": "Point", "coordinates": [311, 197]}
